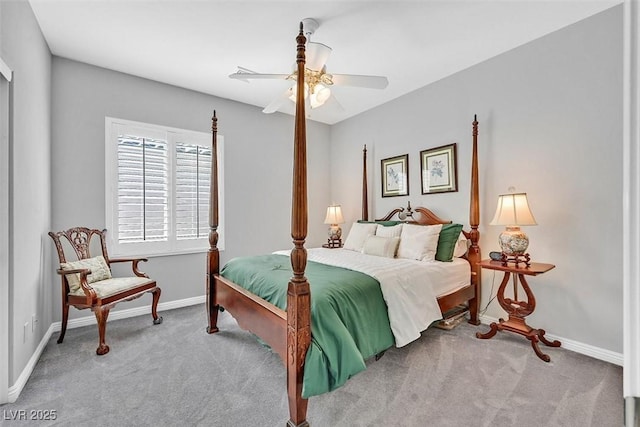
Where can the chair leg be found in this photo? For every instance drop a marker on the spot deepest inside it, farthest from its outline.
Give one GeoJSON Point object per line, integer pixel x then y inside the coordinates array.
{"type": "Point", "coordinates": [154, 306]}
{"type": "Point", "coordinates": [101, 316]}
{"type": "Point", "coordinates": [65, 317]}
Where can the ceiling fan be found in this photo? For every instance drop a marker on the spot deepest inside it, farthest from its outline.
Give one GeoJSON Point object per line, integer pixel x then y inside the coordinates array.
{"type": "Point", "coordinates": [317, 79]}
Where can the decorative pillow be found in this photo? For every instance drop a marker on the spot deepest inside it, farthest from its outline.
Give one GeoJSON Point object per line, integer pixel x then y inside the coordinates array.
{"type": "Point", "coordinates": [389, 231]}
{"type": "Point", "coordinates": [99, 271]}
{"type": "Point", "coordinates": [358, 234]}
{"type": "Point", "coordinates": [447, 241]}
{"type": "Point", "coordinates": [462, 246]}
{"type": "Point", "coordinates": [381, 246]}
{"type": "Point", "coordinates": [419, 241]}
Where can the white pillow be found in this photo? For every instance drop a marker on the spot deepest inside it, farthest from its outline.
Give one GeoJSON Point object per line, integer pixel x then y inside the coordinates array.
{"type": "Point", "coordinates": [419, 242]}
{"type": "Point", "coordinates": [391, 231]}
{"type": "Point", "coordinates": [358, 234]}
{"type": "Point", "coordinates": [462, 246]}
{"type": "Point", "coordinates": [381, 246]}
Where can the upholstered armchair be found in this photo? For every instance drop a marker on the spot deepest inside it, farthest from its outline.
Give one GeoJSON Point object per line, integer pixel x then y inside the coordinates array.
{"type": "Point", "coordinates": [87, 281]}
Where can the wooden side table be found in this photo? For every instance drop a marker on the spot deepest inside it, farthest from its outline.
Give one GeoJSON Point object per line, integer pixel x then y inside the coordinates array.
{"type": "Point", "coordinates": [333, 244]}
{"type": "Point", "coordinates": [516, 309]}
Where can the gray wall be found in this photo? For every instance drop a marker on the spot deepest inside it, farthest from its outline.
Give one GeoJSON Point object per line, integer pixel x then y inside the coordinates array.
{"type": "Point", "coordinates": [550, 116]}
{"type": "Point", "coordinates": [258, 152]}
{"type": "Point", "coordinates": [24, 50]}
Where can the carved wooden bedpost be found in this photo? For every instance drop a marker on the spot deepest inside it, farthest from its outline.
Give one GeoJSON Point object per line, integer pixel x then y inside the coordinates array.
{"type": "Point", "coordinates": [474, 254]}
{"type": "Point", "coordinates": [365, 199]}
{"type": "Point", "coordinates": [213, 255]}
{"type": "Point", "coordinates": [298, 295]}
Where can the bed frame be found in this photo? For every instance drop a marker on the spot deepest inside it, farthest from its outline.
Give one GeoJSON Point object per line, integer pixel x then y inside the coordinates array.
{"type": "Point", "coordinates": [289, 332]}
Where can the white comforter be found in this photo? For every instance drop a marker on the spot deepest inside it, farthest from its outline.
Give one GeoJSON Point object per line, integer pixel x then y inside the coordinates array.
{"type": "Point", "coordinates": [410, 288]}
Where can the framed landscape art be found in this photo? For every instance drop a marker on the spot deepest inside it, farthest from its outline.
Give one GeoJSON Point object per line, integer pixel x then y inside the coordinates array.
{"type": "Point", "coordinates": [439, 170]}
{"type": "Point", "coordinates": [395, 176]}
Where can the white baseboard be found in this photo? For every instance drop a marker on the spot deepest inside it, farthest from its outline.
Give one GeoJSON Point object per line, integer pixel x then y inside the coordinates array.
{"type": "Point", "coordinates": [16, 389]}
{"type": "Point", "coordinates": [130, 312]}
{"type": "Point", "coordinates": [578, 347]}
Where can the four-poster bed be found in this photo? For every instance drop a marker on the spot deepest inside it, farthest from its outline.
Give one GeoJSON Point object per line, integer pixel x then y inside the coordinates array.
{"type": "Point", "coordinates": [288, 330]}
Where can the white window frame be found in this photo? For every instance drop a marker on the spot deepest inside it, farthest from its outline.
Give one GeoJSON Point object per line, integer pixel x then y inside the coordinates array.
{"type": "Point", "coordinates": [172, 246]}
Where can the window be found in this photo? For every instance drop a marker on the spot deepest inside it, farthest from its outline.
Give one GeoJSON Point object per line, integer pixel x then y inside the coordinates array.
{"type": "Point", "coordinates": [157, 189]}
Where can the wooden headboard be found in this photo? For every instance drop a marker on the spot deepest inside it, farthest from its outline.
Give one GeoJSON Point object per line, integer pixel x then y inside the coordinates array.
{"type": "Point", "coordinates": [422, 216]}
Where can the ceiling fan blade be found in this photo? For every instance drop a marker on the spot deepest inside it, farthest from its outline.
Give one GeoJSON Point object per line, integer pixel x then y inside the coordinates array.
{"type": "Point", "coordinates": [371, 82]}
{"type": "Point", "coordinates": [246, 76]}
{"type": "Point", "coordinates": [333, 103]}
{"type": "Point", "coordinates": [277, 102]}
{"type": "Point", "coordinates": [317, 55]}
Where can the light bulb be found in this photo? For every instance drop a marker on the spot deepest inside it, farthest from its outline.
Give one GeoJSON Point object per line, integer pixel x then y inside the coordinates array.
{"type": "Point", "coordinates": [294, 91]}
{"type": "Point", "coordinates": [320, 95]}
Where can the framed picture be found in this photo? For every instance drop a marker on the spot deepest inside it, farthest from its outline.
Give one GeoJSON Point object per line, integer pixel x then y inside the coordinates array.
{"type": "Point", "coordinates": [395, 176]}
{"type": "Point", "coordinates": [439, 170]}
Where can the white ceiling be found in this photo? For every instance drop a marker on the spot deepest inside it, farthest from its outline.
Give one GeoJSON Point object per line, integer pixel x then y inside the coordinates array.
{"type": "Point", "coordinates": [196, 44]}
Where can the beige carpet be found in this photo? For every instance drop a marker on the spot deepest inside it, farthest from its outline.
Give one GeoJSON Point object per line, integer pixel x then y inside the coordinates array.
{"type": "Point", "coordinates": [175, 374]}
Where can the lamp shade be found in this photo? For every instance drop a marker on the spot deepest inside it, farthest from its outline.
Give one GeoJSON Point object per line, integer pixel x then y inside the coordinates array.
{"type": "Point", "coordinates": [320, 95]}
{"type": "Point", "coordinates": [334, 215]}
{"type": "Point", "coordinates": [513, 210]}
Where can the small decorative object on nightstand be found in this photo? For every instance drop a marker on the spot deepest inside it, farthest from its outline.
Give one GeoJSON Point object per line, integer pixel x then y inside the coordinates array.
{"type": "Point", "coordinates": [334, 217]}
{"type": "Point", "coordinates": [333, 244]}
{"type": "Point", "coordinates": [516, 309]}
{"type": "Point", "coordinates": [513, 211]}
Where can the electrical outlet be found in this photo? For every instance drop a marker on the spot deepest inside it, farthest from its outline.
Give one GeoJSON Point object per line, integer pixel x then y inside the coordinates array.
{"type": "Point", "coordinates": [34, 320]}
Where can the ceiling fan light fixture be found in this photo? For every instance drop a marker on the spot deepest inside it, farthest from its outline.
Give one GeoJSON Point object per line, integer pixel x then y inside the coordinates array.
{"type": "Point", "coordinates": [293, 91]}
{"type": "Point", "coordinates": [320, 95]}
{"type": "Point", "coordinates": [316, 79]}
{"type": "Point", "coordinates": [326, 78]}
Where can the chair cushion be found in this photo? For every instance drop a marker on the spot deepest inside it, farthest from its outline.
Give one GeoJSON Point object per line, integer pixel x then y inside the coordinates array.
{"type": "Point", "coordinates": [112, 286]}
{"type": "Point", "coordinates": [99, 271]}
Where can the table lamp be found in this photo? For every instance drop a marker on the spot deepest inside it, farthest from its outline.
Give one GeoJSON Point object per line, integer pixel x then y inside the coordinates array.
{"type": "Point", "coordinates": [513, 211]}
{"type": "Point", "coordinates": [333, 218]}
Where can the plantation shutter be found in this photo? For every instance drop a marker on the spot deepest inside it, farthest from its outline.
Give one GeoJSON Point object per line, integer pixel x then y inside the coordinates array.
{"type": "Point", "coordinates": [143, 189]}
{"type": "Point", "coordinates": [157, 187]}
{"type": "Point", "coordinates": [193, 175]}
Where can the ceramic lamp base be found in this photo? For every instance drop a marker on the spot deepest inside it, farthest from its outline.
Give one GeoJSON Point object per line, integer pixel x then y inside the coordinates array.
{"type": "Point", "coordinates": [513, 241]}
{"type": "Point", "coordinates": [335, 232]}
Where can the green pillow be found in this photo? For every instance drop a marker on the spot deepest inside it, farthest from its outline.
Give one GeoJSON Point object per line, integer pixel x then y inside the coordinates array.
{"type": "Point", "coordinates": [447, 241]}
{"type": "Point", "coordinates": [383, 223]}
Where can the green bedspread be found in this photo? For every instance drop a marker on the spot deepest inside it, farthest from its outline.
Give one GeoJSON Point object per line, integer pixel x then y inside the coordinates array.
{"type": "Point", "coordinates": [349, 321]}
